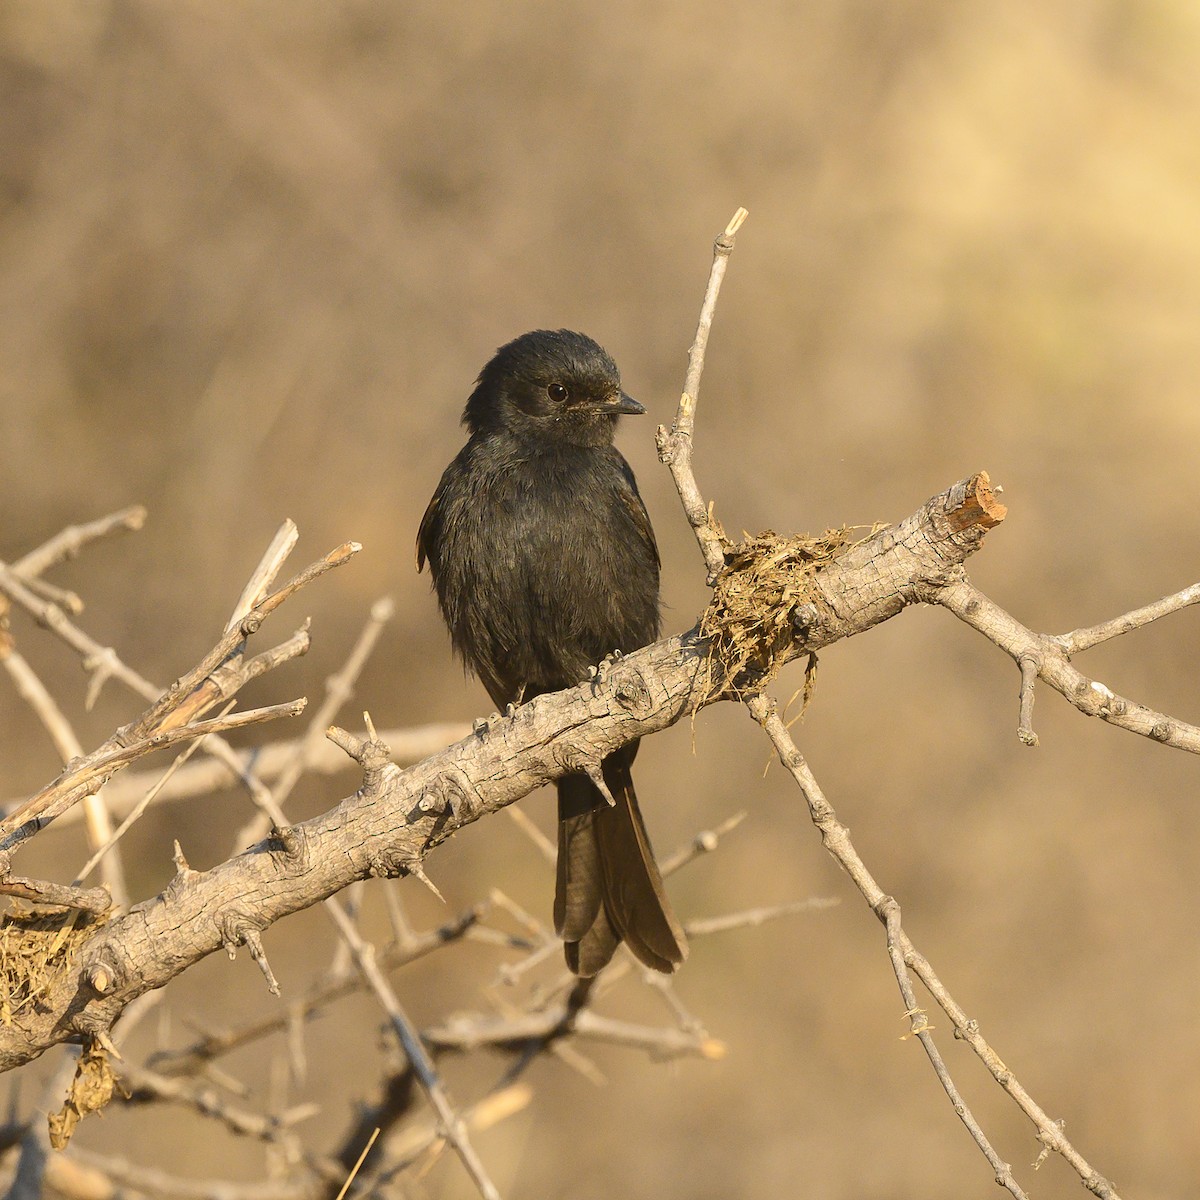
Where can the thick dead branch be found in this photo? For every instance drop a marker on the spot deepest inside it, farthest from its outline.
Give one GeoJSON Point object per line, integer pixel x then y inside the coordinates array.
{"type": "Point", "coordinates": [392, 822]}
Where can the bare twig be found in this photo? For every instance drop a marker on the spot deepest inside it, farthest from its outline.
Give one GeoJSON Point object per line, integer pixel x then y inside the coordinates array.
{"type": "Point", "coordinates": [921, 1030]}
{"type": "Point", "coordinates": [86, 777]}
{"type": "Point", "coordinates": [338, 689]}
{"type": "Point", "coordinates": [31, 689]}
{"type": "Point", "coordinates": [264, 574]}
{"type": "Point", "coordinates": [453, 1126]}
{"type": "Point", "coordinates": [468, 1032]}
{"type": "Point", "coordinates": [335, 558]}
{"type": "Point", "coordinates": [675, 448]}
{"type": "Point", "coordinates": [414, 1144]}
{"type": "Point", "coordinates": [354, 1170]}
{"type": "Point", "coordinates": [145, 1085]}
{"type": "Point", "coordinates": [1090, 696]}
{"type": "Point", "coordinates": [100, 659]}
{"type": "Point", "coordinates": [521, 820]}
{"type": "Point", "coordinates": [319, 996]}
{"type": "Point", "coordinates": [836, 839]}
{"type": "Point", "coordinates": [94, 807]}
{"type": "Point", "coordinates": [68, 601]}
{"type": "Point", "coordinates": [1029, 674]}
{"type": "Point", "coordinates": [135, 814]}
{"type": "Point", "coordinates": [753, 917]}
{"type": "Point", "coordinates": [74, 538]}
{"type": "Point", "coordinates": [123, 793]}
{"type": "Point", "coordinates": [149, 1181]}
{"type": "Point", "coordinates": [1084, 639]}
{"type": "Point", "coordinates": [705, 842]}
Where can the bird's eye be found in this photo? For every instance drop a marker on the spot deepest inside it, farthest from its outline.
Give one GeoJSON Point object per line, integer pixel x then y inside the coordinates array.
{"type": "Point", "coordinates": [557, 392]}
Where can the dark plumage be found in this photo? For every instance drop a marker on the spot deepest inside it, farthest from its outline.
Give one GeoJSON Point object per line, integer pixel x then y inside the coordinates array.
{"type": "Point", "coordinates": [545, 562]}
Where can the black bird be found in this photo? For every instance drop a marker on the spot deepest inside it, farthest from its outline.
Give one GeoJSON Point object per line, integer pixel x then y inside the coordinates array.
{"type": "Point", "coordinates": [545, 562]}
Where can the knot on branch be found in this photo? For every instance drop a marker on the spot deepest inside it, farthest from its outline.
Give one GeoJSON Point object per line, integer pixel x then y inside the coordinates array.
{"type": "Point", "coordinates": [765, 606]}
{"type": "Point", "coordinates": [452, 795]}
{"type": "Point", "coordinates": [576, 759]}
{"type": "Point", "coordinates": [631, 692]}
{"type": "Point", "coordinates": [292, 846]}
{"type": "Point", "coordinates": [373, 755]}
{"type": "Point", "coordinates": [240, 928]}
{"type": "Point", "coordinates": [389, 862]}
{"type": "Point", "coordinates": [103, 974]}
{"type": "Point", "coordinates": [237, 927]}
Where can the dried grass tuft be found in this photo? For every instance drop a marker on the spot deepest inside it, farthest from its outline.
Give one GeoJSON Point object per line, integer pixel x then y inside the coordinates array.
{"type": "Point", "coordinates": [750, 623]}
{"type": "Point", "coordinates": [36, 949]}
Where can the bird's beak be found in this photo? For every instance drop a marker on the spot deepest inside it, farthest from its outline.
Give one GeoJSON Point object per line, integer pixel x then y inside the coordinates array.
{"type": "Point", "coordinates": [621, 403]}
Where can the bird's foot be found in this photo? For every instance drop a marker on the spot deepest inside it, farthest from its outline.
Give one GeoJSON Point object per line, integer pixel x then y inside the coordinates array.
{"type": "Point", "coordinates": [599, 673]}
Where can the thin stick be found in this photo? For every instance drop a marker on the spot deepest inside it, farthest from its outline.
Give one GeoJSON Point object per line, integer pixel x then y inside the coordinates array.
{"type": "Point", "coordinates": [410, 1040]}
{"type": "Point", "coordinates": [836, 839]}
{"type": "Point", "coordinates": [72, 785]}
{"type": "Point", "coordinates": [675, 448]}
{"type": "Point", "coordinates": [358, 1165]}
{"type": "Point", "coordinates": [522, 821]}
{"type": "Point", "coordinates": [75, 537]}
{"type": "Point", "coordinates": [102, 660]}
{"type": "Point", "coordinates": [408, 746]}
{"type": "Point", "coordinates": [338, 689]}
{"type": "Point", "coordinates": [922, 1030]}
{"type": "Point", "coordinates": [704, 842]}
{"type": "Point", "coordinates": [95, 808]}
{"type": "Point", "coordinates": [145, 1085]}
{"type": "Point", "coordinates": [753, 917]}
{"type": "Point", "coordinates": [264, 574]}
{"type": "Point", "coordinates": [335, 558]}
{"type": "Point", "coordinates": [145, 802]}
{"type": "Point", "coordinates": [1090, 696]}
{"type": "Point", "coordinates": [1084, 639]}
{"type": "Point", "coordinates": [1029, 674]}
{"type": "Point", "coordinates": [471, 1032]}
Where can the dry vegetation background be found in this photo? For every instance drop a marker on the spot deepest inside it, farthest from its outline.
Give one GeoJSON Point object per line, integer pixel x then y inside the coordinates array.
{"type": "Point", "coordinates": [251, 257]}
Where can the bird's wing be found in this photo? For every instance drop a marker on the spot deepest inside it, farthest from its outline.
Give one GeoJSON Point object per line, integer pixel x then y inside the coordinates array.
{"type": "Point", "coordinates": [426, 530]}
{"type": "Point", "coordinates": [632, 501]}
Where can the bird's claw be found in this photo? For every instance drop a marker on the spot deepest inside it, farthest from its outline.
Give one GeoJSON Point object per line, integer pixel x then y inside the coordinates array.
{"type": "Point", "coordinates": [599, 673]}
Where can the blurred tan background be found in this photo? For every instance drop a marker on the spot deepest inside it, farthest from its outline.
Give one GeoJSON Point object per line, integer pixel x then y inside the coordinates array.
{"type": "Point", "coordinates": [251, 258]}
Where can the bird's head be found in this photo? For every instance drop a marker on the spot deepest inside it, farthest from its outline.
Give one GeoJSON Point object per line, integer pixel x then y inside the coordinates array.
{"type": "Point", "coordinates": [551, 384]}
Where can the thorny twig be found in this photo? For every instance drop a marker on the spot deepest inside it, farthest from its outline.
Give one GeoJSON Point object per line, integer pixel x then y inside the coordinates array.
{"type": "Point", "coordinates": [453, 1126]}
{"type": "Point", "coordinates": [967, 603]}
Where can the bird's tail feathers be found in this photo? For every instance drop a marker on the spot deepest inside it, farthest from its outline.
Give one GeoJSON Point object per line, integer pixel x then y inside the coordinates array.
{"type": "Point", "coordinates": [609, 885]}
